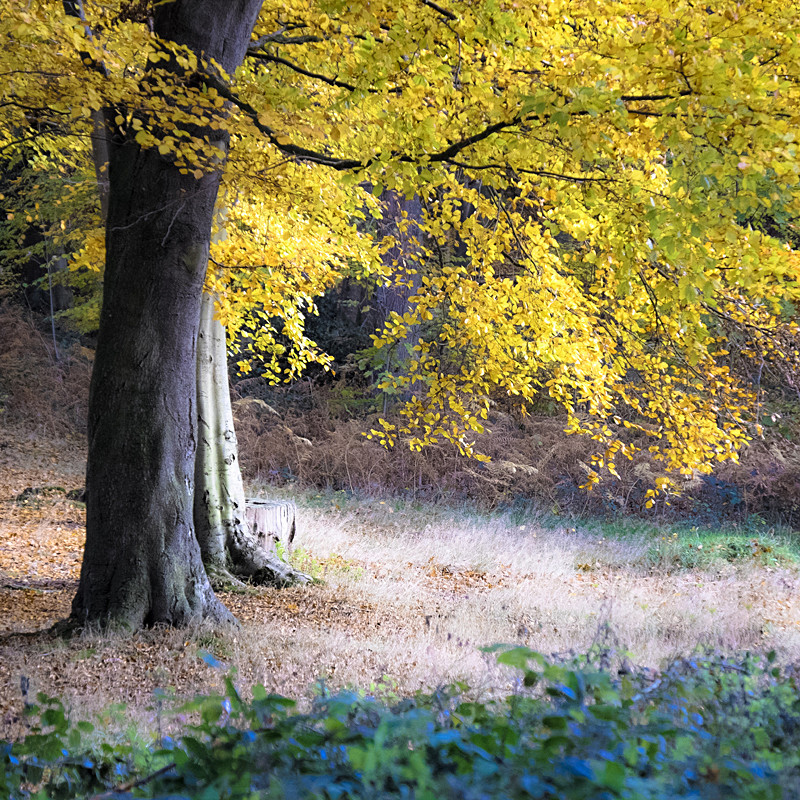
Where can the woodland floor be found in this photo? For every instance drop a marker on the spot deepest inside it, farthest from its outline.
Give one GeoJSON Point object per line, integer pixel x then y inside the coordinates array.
{"type": "Point", "coordinates": [408, 596]}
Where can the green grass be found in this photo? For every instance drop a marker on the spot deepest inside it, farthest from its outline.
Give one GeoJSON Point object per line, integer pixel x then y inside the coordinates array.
{"type": "Point", "coordinates": [711, 549]}
{"type": "Point", "coordinates": [317, 567]}
{"type": "Point", "coordinates": [687, 546]}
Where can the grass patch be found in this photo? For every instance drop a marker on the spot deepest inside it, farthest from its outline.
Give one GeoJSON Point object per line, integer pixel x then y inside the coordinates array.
{"type": "Point", "coordinates": [82, 655]}
{"type": "Point", "coordinates": [708, 550]}
{"type": "Point", "coordinates": [597, 543]}
{"type": "Point", "coordinates": [318, 568]}
{"type": "Point", "coordinates": [656, 546]}
{"type": "Point", "coordinates": [217, 645]}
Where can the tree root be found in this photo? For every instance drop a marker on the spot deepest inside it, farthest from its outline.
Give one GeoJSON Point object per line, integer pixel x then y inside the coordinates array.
{"type": "Point", "coordinates": [223, 580]}
{"type": "Point", "coordinates": [275, 572]}
{"type": "Point", "coordinates": [248, 564]}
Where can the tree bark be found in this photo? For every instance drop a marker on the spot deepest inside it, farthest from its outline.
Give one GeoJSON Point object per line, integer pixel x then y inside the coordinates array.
{"type": "Point", "coordinates": [142, 563]}
{"type": "Point", "coordinates": [230, 548]}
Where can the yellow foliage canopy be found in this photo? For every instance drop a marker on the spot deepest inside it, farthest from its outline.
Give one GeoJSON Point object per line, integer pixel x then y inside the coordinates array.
{"type": "Point", "coordinates": [603, 162]}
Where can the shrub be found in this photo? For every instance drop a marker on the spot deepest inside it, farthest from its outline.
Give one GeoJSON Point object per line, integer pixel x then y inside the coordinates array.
{"type": "Point", "coordinates": [706, 727]}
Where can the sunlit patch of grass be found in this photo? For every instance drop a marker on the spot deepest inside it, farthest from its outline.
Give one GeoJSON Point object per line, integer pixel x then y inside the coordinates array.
{"type": "Point", "coordinates": [549, 583]}
{"type": "Point", "coordinates": [305, 561]}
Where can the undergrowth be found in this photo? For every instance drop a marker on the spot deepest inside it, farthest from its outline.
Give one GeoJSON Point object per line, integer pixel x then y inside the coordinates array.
{"type": "Point", "coordinates": [581, 727]}
{"type": "Point", "coordinates": [41, 386]}
{"type": "Point", "coordinates": [298, 436]}
{"type": "Point", "coordinates": [309, 435]}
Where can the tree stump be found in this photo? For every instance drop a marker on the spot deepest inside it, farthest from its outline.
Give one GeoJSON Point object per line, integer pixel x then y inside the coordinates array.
{"type": "Point", "coordinates": [271, 522]}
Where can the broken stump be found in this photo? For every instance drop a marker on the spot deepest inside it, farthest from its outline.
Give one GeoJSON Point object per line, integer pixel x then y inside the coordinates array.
{"type": "Point", "coordinates": [272, 522]}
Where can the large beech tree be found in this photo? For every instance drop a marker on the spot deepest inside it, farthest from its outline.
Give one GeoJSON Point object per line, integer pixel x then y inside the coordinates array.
{"type": "Point", "coordinates": [615, 158]}
{"type": "Point", "coordinates": [142, 562]}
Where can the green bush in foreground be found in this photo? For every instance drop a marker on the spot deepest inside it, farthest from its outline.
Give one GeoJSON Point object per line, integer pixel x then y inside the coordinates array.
{"type": "Point", "coordinates": [709, 727]}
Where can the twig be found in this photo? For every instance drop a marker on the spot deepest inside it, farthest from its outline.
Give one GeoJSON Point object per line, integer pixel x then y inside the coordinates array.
{"type": "Point", "coordinates": [126, 787]}
{"type": "Point", "coordinates": [171, 223]}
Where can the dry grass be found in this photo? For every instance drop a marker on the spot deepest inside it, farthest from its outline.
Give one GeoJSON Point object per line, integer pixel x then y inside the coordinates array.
{"type": "Point", "coordinates": [410, 595]}
{"type": "Point", "coordinates": [45, 391]}
{"type": "Point", "coordinates": [480, 580]}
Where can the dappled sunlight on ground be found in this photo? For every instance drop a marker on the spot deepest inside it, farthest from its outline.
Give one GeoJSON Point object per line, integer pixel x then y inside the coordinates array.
{"type": "Point", "coordinates": [407, 599]}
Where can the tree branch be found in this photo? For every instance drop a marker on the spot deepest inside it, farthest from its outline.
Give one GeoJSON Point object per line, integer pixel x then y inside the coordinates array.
{"type": "Point", "coordinates": [74, 8]}
{"type": "Point", "coordinates": [261, 56]}
{"type": "Point", "coordinates": [301, 153]}
{"type": "Point", "coordinates": [279, 38]}
{"type": "Point", "coordinates": [542, 173]}
{"type": "Point", "coordinates": [443, 156]}
{"type": "Point", "coordinates": [439, 10]}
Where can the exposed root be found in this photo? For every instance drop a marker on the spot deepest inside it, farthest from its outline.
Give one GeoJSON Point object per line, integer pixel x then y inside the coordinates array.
{"type": "Point", "coordinates": [251, 561]}
{"type": "Point", "coordinates": [279, 573]}
{"type": "Point", "coordinates": [262, 567]}
{"type": "Point", "coordinates": [223, 580]}
{"type": "Point", "coordinates": [248, 564]}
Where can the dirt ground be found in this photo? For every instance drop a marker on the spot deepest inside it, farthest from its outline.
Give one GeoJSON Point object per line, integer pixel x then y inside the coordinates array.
{"type": "Point", "coordinates": [41, 540]}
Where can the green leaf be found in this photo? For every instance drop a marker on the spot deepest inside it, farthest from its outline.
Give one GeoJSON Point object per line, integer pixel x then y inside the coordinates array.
{"type": "Point", "coordinates": [612, 776]}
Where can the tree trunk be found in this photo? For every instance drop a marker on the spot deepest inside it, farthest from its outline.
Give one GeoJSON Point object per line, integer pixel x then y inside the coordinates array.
{"type": "Point", "coordinates": [231, 548]}
{"type": "Point", "coordinates": [393, 295]}
{"type": "Point", "coordinates": [142, 563]}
